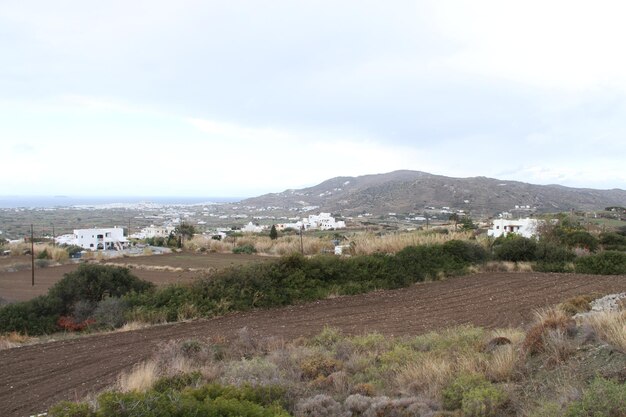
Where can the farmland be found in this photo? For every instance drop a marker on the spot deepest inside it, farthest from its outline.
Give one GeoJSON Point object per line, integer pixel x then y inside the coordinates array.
{"type": "Point", "coordinates": [158, 269]}
{"type": "Point", "coordinates": [37, 376]}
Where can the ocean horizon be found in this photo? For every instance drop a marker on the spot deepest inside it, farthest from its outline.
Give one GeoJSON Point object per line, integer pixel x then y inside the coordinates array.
{"type": "Point", "coordinates": [8, 202]}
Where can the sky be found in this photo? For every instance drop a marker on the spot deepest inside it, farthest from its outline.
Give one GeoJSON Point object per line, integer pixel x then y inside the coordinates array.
{"type": "Point", "coordinates": [240, 98]}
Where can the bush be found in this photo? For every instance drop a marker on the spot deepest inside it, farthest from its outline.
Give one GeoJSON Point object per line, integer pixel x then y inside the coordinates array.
{"type": "Point", "coordinates": [613, 241]}
{"type": "Point", "coordinates": [602, 398]}
{"type": "Point", "coordinates": [70, 409]}
{"type": "Point", "coordinates": [464, 251]}
{"type": "Point", "coordinates": [247, 249]}
{"type": "Point", "coordinates": [93, 282]}
{"type": "Point", "coordinates": [111, 312]}
{"type": "Point", "coordinates": [85, 287]}
{"type": "Point", "coordinates": [515, 248]}
{"type": "Point", "coordinates": [484, 401]}
{"type": "Point", "coordinates": [453, 394]}
{"type": "Point", "coordinates": [581, 239]}
{"type": "Point", "coordinates": [603, 263]}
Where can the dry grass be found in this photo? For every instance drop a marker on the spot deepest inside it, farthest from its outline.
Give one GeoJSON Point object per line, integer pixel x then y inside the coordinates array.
{"type": "Point", "coordinates": [132, 325]}
{"type": "Point", "coordinates": [610, 326]}
{"type": "Point", "coordinates": [425, 377]}
{"type": "Point", "coordinates": [502, 364]}
{"type": "Point", "coordinates": [505, 266]}
{"type": "Point", "coordinates": [365, 243]}
{"type": "Point", "coordinates": [141, 378]}
{"type": "Point", "coordinates": [369, 243]}
{"type": "Point", "coordinates": [13, 339]}
{"type": "Point", "coordinates": [547, 320]}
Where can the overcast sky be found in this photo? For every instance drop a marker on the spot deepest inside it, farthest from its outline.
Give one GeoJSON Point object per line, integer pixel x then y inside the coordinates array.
{"type": "Point", "coordinates": [240, 98]}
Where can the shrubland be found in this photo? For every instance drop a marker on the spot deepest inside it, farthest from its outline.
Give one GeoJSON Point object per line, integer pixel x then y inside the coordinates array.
{"type": "Point", "coordinates": [557, 367]}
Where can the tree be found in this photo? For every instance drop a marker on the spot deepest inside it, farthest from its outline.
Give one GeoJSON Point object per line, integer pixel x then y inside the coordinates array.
{"type": "Point", "coordinates": [467, 224]}
{"type": "Point", "coordinates": [184, 231]}
{"type": "Point", "coordinates": [454, 218]}
{"type": "Point", "coordinates": [273, 233]}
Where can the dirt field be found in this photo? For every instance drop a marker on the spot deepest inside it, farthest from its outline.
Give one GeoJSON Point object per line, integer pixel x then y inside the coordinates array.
{"type": "Point", "coordinates": [34, 377]}
{"type": "Point", "coordinates": [16, 286]}
{"type": "Point", "coordinates": [192, 260]}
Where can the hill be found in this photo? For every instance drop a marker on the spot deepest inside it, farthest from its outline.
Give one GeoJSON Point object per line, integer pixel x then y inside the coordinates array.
{"type": "Point", "coordinates": [414, 191]}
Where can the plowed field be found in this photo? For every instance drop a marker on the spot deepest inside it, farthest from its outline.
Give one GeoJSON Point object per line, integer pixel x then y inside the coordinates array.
{"type": "Point", "coordinates": [34, 377]}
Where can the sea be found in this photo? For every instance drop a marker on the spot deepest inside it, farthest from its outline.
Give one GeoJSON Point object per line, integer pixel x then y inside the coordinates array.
{"type": "Point", "coordinates": [70, 201]}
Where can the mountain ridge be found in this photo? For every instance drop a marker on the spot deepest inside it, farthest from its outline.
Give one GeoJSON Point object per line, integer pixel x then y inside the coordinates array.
{"type": "Point", "coordinates": [406, 191]}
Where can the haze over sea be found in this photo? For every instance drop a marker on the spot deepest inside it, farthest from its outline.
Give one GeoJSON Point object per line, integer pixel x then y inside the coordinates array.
{"type": "Point", "coordinates": [67, 201]}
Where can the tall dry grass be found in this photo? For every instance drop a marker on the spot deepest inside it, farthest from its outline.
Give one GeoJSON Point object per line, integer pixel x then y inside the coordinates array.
{"type": "Point", "coordinates": [141, 378]}
{"type": "Point", "coordinates": [369, 243]}
{"type": "Point", "coordinates": [13, 339]}
{"type": "Point", "coordinates": [362, 243]}
{"type": "Point", "coordinates": [610, 326]}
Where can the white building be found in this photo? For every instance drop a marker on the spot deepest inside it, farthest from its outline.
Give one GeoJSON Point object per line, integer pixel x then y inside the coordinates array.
{"type": "Point", "coordinates": [153, 231]}
{"type": "Point", "coordinates": [252, 228]}
{"type": "Point", "coordinates": [111, 238]}
{"type": "Point", "coordinates": [523, 227]}
{"type": "Point", "coordinates": [324, 222]}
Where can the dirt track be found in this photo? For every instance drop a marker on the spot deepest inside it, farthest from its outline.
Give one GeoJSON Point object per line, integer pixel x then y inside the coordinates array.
{"type": "Point", "coordinates": [34, 377]}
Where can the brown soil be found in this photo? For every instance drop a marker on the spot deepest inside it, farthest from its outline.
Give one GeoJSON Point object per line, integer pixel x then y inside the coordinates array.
{"type": "Point", "coordinates": [37, 376]}
{"type": "Point", "coordinates": [17, 286]}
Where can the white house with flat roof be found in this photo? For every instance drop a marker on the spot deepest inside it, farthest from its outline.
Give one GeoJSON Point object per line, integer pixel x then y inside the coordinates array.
{"type": "Point", "coordinates": [523, 227]}
{"type": "Point", "coordinates": [153, 231]}
{"type": "Point", "coordinates": [111, 238]}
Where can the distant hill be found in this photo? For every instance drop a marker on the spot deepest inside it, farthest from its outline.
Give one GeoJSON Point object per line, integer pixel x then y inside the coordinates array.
{"type": "Point", "coordinates": [414, 191]}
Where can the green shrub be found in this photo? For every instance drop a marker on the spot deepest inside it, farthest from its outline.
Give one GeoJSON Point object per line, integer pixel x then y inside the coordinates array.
{"type": "Point", "coordinates": [86, 286]}
{"type": "Point", "coordinates": [515, 248]}
{"type": "Point", "coordinates": [111, 312]}
{"type": "Point", "coordinates": [464, 251]}
{"type": "Point", "coordinates": [581, 239]}
{"type": "Point", "coordinates": [613, 241]}
{"type": "Point", "coordinates": [484, 401]}
{"type": "Point", "coordinates": [211, 401]}
{"type": "Point", "coordinates": [92, 282]}
{"type": "Point", "coordinates": [43, 254]}
{"type": "Point", "coordinates": [453, 394]}
{"type": "Point", "coordinates": [248, 249]}
{"type": "Point", "coordinates": [177, 382]}
{"type": "Point", "coordinates": [70, 409]}
{"type": "Point", "coordinates": [603, 398]}
{"type": "Point", "coordinates": [603, 263]}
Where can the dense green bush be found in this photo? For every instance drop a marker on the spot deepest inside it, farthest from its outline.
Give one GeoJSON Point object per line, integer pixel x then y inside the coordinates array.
{"type": "Point", "coordinates": [603, 263]}
{"type": "Point", "coordinates": [552, 257]}
{"type": "Point", "coordinates": [581, 239]}
{"type": "Point", "coordinates": [514, 248]}
{"type": "Point", "coordinates": [603, 398]}
{"type": "Point", "coordinates": [613, 241]}
{"type": "Point", "coordinates": [248, 249]}
{"type": "Point", "coordinates": [464, 251]}
{"type": "Point", "coordinates": [485, 401]}
{"type": "Point", "coordinates": [453, 393]}
{"type": "Point", "coordinates": [211, 401]}
{"type": "Point", "coordinates": [33, 317]}
{"type": "Point", "coordinates": [78, 292]}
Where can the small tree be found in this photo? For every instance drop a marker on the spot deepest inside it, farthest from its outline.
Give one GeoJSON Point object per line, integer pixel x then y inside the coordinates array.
{"type": "Point", "coordinates": [273, 233]}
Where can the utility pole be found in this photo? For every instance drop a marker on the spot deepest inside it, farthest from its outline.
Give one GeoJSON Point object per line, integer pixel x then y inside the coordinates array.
{"type": "Point", "coordinates": [32, 254]}
{"type": "Point", "coordinates": [301, 243]}
{"type": "Point", "coordinates": [54, 237]}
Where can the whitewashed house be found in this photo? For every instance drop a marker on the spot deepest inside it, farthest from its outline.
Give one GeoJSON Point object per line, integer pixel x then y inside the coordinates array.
{"type": "Point", "coordinates": [252, 228]}
{"type": "Point", "coordinates": [111, 238]}
{"type": "Point", "coordinates": [324, 221]}
{"type": "Point", "coordinates": [523, 227]}
{"type": "Point", "coordinates": [153, 231]}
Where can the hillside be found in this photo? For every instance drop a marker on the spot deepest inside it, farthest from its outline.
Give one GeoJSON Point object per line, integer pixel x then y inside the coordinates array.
{"type": "Point", "coordinates": [413, 191]}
